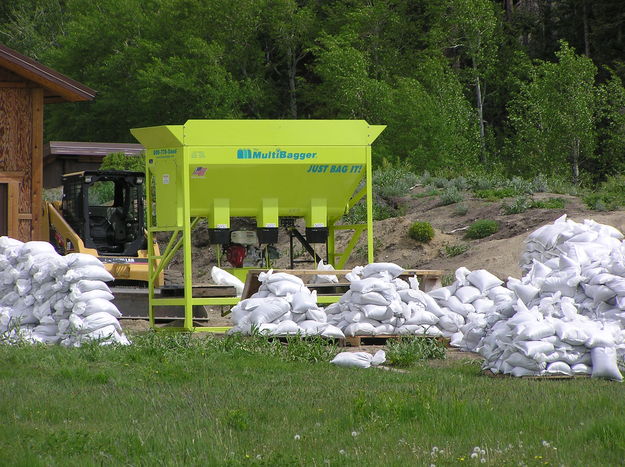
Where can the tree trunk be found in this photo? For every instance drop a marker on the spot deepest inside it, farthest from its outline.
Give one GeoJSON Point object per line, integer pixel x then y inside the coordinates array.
{"type": "Point", "coordinates": [292, 90]}
{"type": "Point", "coordinates": [586, 33]}
{"type": "Point", "coordinates": [575, 160]}
{"type": "Point", "coordinates": [480, 118]}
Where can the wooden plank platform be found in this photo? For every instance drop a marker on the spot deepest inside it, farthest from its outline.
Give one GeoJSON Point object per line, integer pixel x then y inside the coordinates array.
{"type": "Point", "coordinates": [200, 291]}
{"type": "Point", "coordinates": [357, 341]}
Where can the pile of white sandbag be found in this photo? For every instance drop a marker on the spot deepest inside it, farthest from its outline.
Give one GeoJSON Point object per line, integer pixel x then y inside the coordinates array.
{"type": "Point", "coordinates": [282, 306]}
{"type": "Point", "coordinates": [565, 316]}
{"type": "Point", "coordinates": [552, 339]}
{"type": "Point", "coordinates": [379, 303]}
{"type": "Point", "coordinates": [49, 298]}
{"type": "Point", "coordinates": [582, 243]}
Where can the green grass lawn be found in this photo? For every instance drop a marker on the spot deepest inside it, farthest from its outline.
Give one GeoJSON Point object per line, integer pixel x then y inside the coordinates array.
{"type": "Point", "coordinates": [172, 400]}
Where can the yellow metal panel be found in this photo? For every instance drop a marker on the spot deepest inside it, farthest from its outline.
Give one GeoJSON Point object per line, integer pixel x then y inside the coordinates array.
{"type": "Point", "coordinates": [284, 132]}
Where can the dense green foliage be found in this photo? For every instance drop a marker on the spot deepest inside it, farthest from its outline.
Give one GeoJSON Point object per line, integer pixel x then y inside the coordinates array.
{"type": "Point", "coordinates": [482, 228]}
{"type": "Point", "coordinates": [182, 400]}
{"type": "Point", "coordinates": [511, 88]}
{"type": "Point", "coordinates": [422, 232]}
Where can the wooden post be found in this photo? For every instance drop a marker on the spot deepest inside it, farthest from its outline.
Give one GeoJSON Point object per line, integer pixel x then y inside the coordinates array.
{"type": "Point", "coordinates": [37, 163]}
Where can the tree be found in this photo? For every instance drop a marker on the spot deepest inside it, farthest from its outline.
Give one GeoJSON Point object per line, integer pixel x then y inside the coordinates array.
{"type": "Point", "coordinates": [552, 117]}
{"type": "Point", "coordinates": [468, 31]}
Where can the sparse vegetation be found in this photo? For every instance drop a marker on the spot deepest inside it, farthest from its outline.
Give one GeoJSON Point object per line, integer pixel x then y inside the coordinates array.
{"type": "Point", "coordinates": [495, 194]}
{"type": "Point", "coordinates": [461, 209]}
{"type": "Point", "coordinates": [451, 195]}
{"type": "Point", "coordinates": [454, 250]}
{"type": "Point", "coordinates": [482, 228]}
{"type": "Point", "coordinates": [422, 232]}
{"type": "Point", "coordinates": [609, 196]}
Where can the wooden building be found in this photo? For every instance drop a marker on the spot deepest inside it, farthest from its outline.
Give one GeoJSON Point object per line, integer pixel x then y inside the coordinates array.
{"type": "Point", "coordinates": [25, 87]}
{"type": "Point", "coordinates": [62, 157]}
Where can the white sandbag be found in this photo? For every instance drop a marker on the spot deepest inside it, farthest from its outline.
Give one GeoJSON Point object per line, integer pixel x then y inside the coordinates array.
{"type": "Point", "coordinates": [92, 294]}
{"type": "Point", "coordinates": [221, 277]}
{"type": "Point", "coordinates": [600, 338]}
{"type": "Point", "coordinates": [455, 305]}
{"type": "Point", "coordinates": [483, 280]}
{"type": "Point", "coordinates": [312, 328]}
{"type": "Point", "coordinates": [99, 320]}
{"type": "Point", "coordinates": [316, 314]}
{"type": "Point", "coordinates": [283, 288]}
{"type": "Point", "coordinates": [571, 333]}
{"type": "Point", "coordinates": [423, 317]}
{"type": "Point", "coordinates": [483, 305]}
{"type": "Point", "coordinates": [324, 278]}
{"type": "Point", "coordinates": [581, 369]}
{"type": "Point", "coordinates": [531, 348]}
{"type": "Point", "coordinates": [533, 331]}
{"type": "Point", "coordinates": [451, 322]}
{"type": "Point", "coordinates": [517, 359]}
{"type": "Point", "coordinates": [370, 298]}
{"type": "Point", "coordinates": [468, 293]}
{"type": "Point", "coordinates": [372, 284]}
{"type": "Point", "coordinates": [332, 332]}
{"type": "Point", "coordinates": [269, 310]}
{"type": "Point", "coordinates": [96, 305]}
{"type": "Point", "coordinates": [376, 268]}
{"type": "Point", "coordinates": [35, 248]}
{"type": "Point", "coordinates": [92, 272]}
{"type": "Point", "coordinates": [303, 300]}
{"type": "Point", "coordinates": [604, 363]}
{"type": "Point", "coordinates": [525, 292]}
{"type": "Point", "coordinates": [359, 359]}
{"type": "Point", "coordinates": [442, 293]}
{"type": "Point", "coordinates": [271, 277]}
{"type": "Point", "coordinates": [558, 368]}
{"type": "Point", "coordinates": [359, 329]}
{"type": "Point", "coordinates": [286, 328]}
{"type": "Point", "coordinates": [519, 372]}
{"type": "Point", "coordinates": [80, 260]}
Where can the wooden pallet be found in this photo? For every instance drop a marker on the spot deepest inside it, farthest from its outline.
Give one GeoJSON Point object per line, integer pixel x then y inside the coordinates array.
{"type": "Point", "coordinates": [357, 341]}
{"type": "Point", "coordinates": [490, 374]}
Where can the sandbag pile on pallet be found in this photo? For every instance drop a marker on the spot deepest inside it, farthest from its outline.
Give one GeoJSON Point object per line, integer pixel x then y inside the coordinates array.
{"type": "Point", "coordinates": [379, 303]}
{"type": "Point", "coordinates": [52, 299]}
{"type": "Point", "coordinates": [565, 316]}
{"type": "Point", "coordinates": [282, 306]}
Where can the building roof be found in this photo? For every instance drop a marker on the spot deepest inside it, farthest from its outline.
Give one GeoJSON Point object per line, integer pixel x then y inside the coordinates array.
{"type": "Point", "coordinates": [74, 148]}
{"type": "Point", "coordinates": [57, 87]}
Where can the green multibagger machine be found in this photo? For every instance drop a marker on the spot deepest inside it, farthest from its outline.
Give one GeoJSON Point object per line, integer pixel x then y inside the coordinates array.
{"type": "Point", "coordinates": [271, 172]}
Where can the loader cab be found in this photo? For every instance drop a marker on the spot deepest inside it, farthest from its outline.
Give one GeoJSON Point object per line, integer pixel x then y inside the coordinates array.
{"type": "Point", "coordinates": [105, 209]}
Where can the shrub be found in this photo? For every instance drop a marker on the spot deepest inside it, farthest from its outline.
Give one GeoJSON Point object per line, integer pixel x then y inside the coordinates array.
{"type": "Point", "coordinates": [482, 228]}
{"type": "Point", "coordinates": [461, 209]}
{"type": "Point", "coordinates": [520, 204]}
{"type": "Point", "coordinates": [430, 192]}
{"type": "Point", "coordinates": [551, 203]}
{"type": "Point", "coordinates": [609, 196]}
{"type": "Point", "coordinates": [393, 181]}
{"type": "Point", "coordinates": [451, 195]}
{"type": "Point", "coordinates": [454, 250]}
{"type": "Point", "coordinates": [421, 232]}
{"type": "Point", "coordinates": [381, 211]}
{"type": "Point", "coordinates": [494, 194]}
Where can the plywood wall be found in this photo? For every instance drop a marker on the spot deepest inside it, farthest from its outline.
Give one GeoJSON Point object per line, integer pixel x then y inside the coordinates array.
{"type": "Point", "coordinates": [21, 152]}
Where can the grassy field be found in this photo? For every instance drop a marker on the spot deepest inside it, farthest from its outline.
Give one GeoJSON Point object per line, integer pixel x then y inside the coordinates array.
{"type": "Point", "coordinates": [174, 400]}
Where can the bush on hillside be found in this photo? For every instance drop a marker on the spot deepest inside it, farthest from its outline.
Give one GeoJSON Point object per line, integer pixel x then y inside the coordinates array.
{"type": "Point", "coordinates": [421, 232]}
